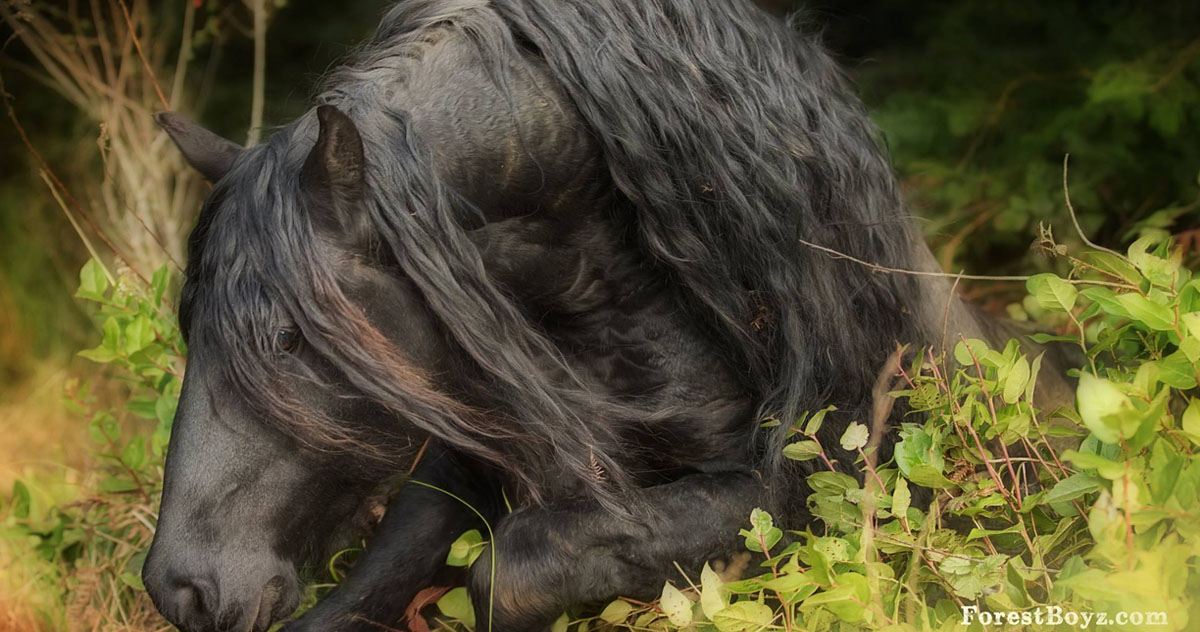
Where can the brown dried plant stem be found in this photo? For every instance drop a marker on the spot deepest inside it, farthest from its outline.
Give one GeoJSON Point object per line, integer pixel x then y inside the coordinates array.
{"type": "Point", "coordinates": [260, 72]}
{"type": "Point", "coordinates": [58, 184]}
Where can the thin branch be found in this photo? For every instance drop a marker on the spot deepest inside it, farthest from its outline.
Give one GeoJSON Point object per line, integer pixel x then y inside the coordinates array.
{"type": "Point", "coordinates": [137, 43]}
{"type": "Point", "coordinates": [185, 54]}
{"type": "Point", "coordinates": [87, 243]}
{"type": "Point", "coordinates": [70, 199]}
{"type": "Point", "coordinates": [1074, 219]}
{"type": "Point", "coordinates": [260, 73]}
{"type": "Point", "coordinates": [943, 275]}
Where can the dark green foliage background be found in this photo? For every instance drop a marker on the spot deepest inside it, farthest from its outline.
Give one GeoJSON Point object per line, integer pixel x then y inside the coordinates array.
{"type": "Point", "coordinates": [981, 100]}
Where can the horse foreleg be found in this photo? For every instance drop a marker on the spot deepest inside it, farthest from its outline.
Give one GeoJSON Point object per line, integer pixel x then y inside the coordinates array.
{"type": "Point", "coordinates": [549, 558]}
{"type": "Point", "coordinates": [408, 549]}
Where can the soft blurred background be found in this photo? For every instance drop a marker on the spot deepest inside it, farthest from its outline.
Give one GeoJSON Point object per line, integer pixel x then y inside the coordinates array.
{"type": "Point", "coordinates": [979, 102]}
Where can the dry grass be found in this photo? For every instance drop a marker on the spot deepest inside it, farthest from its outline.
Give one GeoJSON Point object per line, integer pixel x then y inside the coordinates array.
{"type": "Point", "coordinates": [46, 449]}
{"type": "Point", "coordinates": [131, 200]}
{"type": "Point", "coordinates": [42, 438]}
{"type": "Point", "coordinates": [131, 192]}
{"type": "Point", "coordinates": [15, 618]}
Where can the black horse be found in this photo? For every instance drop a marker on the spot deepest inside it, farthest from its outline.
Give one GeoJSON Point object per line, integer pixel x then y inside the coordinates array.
{"type": "Point", "coordinates": [559, 243]}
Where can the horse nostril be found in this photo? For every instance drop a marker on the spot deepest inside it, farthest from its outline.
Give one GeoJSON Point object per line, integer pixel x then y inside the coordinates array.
{"type": "Point", "coordinates": [189, 603]}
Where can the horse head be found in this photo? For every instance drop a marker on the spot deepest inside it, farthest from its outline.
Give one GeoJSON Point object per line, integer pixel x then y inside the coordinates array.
{"type": "Point", "coordinates": [337, 317]}
{"type": "Point", "coordinates": [245, 501]}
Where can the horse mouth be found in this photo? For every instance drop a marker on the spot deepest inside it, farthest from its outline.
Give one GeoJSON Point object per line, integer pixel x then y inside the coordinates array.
{"type": "Point", "coordinates": [269, 604]}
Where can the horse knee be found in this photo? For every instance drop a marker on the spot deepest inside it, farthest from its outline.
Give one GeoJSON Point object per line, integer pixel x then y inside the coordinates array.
{"type": "Point", "coordinates": [512, 595]}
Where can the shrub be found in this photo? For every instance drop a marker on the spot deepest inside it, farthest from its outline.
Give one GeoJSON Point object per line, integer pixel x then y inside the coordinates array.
{"type": "Point", "coordinates": [1016, 524]}
{"type": "Point", "coordinates": [93, 544]}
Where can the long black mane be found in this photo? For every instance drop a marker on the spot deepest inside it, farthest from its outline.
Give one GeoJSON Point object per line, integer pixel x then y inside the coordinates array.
{"type": "Point", "coordinates": [732, 135]}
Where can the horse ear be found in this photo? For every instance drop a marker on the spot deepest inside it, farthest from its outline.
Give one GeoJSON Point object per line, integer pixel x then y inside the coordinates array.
{"type": "Point", "coordinates": [206, 152]}
{"type": "Point", "coordinates": [333, 171]}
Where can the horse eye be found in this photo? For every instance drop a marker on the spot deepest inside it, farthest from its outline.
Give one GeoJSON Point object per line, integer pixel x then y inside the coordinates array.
{"type": "Point", "coordinates": [287, 339]}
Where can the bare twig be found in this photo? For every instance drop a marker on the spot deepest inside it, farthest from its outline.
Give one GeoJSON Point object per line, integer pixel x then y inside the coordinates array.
{"type": "Point", "coordinates": [944, 275]}
{"type": "Point", "coordinates": [1074, 219]}
{"type": "Point", "coordinates": [260, 72]}
{"type": "Point", "coordinates": [66, 194]}
{"type": "Point", "coordinates": [185, 55]}
{"type": "Point", "coordinates": [137, 43]}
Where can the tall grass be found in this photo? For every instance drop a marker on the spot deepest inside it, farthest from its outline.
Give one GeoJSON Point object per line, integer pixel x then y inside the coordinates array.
{"type": "Point", "coordinates": [72, 540]}
{"type": "Point", "coordinates": [130, 199]}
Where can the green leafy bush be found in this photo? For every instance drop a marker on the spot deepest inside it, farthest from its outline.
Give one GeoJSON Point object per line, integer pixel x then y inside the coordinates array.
{"type": "Point", "coordinates": [1019, 530]}
{"type": "Point", "coordinates": [92, 545]}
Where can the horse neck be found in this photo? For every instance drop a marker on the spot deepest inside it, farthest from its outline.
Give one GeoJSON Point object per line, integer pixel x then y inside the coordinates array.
{"type": "Point", "coordinates": [503, 136]}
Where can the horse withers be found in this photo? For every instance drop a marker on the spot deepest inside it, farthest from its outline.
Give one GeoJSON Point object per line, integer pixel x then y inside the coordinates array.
{"type": "Point", "coordinates": [550, 250]}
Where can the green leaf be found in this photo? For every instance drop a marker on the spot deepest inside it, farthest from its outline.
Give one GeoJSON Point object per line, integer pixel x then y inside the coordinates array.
{"type": "Point", "coordinates": [99, 355]}
{"type": "Point", "coordinates": [1099, 404]}
{"type": "Point", "coordinates": [117, 485]}
{"type": "Point", "coordinates": [762, 530]}
{"type": "Point", "coordinates": [1191, 420]}
{"type": "Point", "coordinates": [676, 606]}
{"type": "Point", "coordinates": [901, 499]}
{"type": "Point", "coordinates": [1177, 371]}
{"type": "Point", "coordinates": [834, 549]}
{"type": "Point", "coordinates": [616, 612]}
{"type": "Point", "coordinates": [164, 409]}
{"type": "Point", "coordinates": [963, 351]}
{"type": "Point", "coordinates": [1093, 584]}
{"type": "Point", "coordinates": [1015, 380]}
{"type": "Point", "coordinates": [466, 549]}
{"type": "Point", "coordinates": [1157, 270]}
{"type": "Point", "coordinates": [1116, 266]}
{"type": "Point", "coordinates": [1035, 369]}
{"type": "Point", "coordinates": [743, 616]}
{"type": "Point", "coordinates": [1151, 314]}
{"type": "Point", "coordinates": [133, 580]}
{"type": "Point", "coordinates": [456, 604]}
{"type": "Point", "coordinates": [138, 334]}
{"type": "Point", "coordinates": [142, 407]}
{"type": "Point", "coordinates": [1191, 324]}
{"type": "Point", "coordinates": [134, 454]}
{"type": "Point", "coordinates": [1164, 469]}
{"type": "Point", "coordinates": [855, 437]}
{"type": "Point", "coordinates": [818, 418]}
{"type": "Point", "coordinates": [1108, 301]}
{"type": "Point", "coordinates": [792, 587]}
{"type": "Point", "coordinates": [1070, 488]}
{"type": "Point", "coordinates": [969, 578]}
{"type": "Point", "coordinates": [561, 623]}
{"type": "Point", "coordinates": [831, 483]}
{"type": "Point", "coordinates": [917, 447]}
{"type": "Point", "coordinates": [1042, 339]}
{"type": "Point", "coordinates": [103, 429]}
{"type": "Point", "coordinates": [802, 450]}
{"type": "Point", "coordinates": [847, 600]}
{"type": "Point", "coordinates": [93, 281]}
{"type": "Point", "coordinates": [1052, 293]}
{"type": "Point", "coordinates": [713, 597]}
{"type": "Point", "coordinates": [112, 334]}
{"type": "Point", "coordinates": [928, 476]}
{"type": "Point", "coordinates": [1190, 346]}
{"type": "Point", "coordinates": [158, 285]}
{"type": "Point", "coordinates": [977, 533]}
{"type": "Point", "coordinates": [1106, 468]}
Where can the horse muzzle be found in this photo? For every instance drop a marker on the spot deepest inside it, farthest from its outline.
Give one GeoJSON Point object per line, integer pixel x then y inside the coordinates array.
{"type": "Point", "coordinates": [195, 599]}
